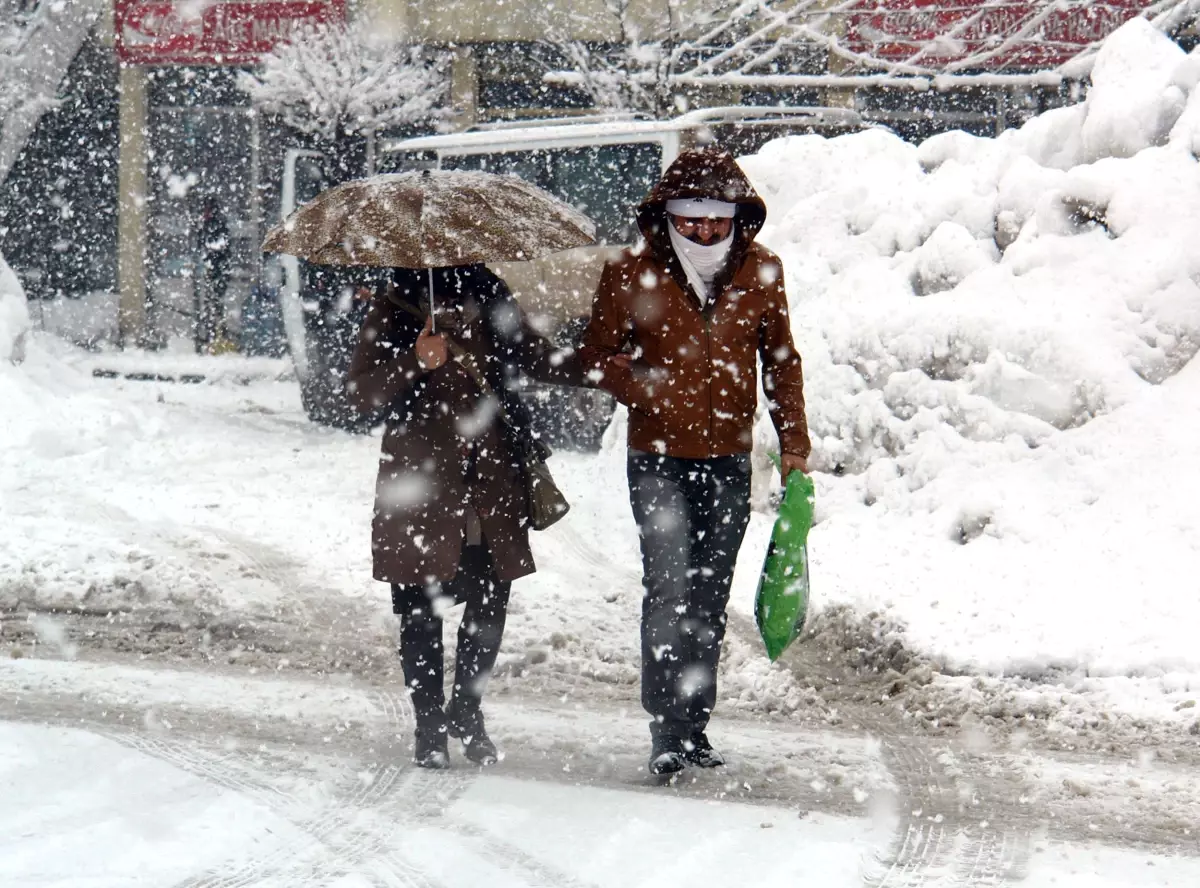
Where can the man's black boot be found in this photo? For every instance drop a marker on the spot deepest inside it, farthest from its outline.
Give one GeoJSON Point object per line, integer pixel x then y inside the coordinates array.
{"type": "Point", "coordinates": [699, 752]}
{"type": "Point", "coordinates": [666, 755]}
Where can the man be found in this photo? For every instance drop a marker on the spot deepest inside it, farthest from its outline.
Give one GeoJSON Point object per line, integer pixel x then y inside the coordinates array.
{"type": "Point", "coordinates": [676, 325]}
{"type": "Point", "coordinates": [215, 253]}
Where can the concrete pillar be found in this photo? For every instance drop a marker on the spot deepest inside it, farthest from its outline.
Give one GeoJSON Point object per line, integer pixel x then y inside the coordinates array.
{"type": "Point", "coordinates": [837, 97]}
{"type": "Point", "coordinates": [131, 209]}
{"type": "Point", "coordinates": [464, 87]}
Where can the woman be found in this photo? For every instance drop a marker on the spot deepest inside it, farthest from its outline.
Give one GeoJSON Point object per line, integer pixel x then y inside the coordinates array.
{"type": "Point", "coordinates": [451, 515]}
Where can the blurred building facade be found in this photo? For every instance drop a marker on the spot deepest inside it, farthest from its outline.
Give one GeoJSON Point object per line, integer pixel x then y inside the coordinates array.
{"type": "Point", "coordinates": [104, 175]}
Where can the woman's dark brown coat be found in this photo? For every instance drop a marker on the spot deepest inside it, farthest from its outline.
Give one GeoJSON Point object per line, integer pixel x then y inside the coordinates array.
{"type": "Point", "coordinates": [445, 450]}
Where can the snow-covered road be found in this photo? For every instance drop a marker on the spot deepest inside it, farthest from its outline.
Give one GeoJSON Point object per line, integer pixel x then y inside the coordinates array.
{"type": "Point", "coordinates": [166, 777]}
{"type": "Point", "coordinates": [292, 782]}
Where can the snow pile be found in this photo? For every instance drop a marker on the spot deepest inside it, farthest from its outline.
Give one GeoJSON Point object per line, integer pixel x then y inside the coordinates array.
{"type": "Point", "coordinates": [994, 332]}
{"type": "Point", "coordinates": [114, 495]}
{"type": "Point", "coordinates": [64, 544]}
{"type": "Point", "coordinates": [14, 316]}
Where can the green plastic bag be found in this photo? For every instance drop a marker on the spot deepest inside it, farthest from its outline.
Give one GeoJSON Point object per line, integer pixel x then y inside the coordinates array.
{"type": "Point", "coordinates": [782, 599]}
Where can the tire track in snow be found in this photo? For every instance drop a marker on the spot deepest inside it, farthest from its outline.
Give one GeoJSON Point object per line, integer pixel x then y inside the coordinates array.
{"type": "Point", "coordinates": [942, 839]}
{"type": "Point", "coordinates": [397, 709]}
{"type": "Point", "coordinates": [333, 839]}
{"type": "Point", "coordinates": [945, 834]}
{"type": "Point", "coordinates": [922, 843]}
{"type": "Point", "coordinates": [346, 830]}
{"type": "Point", "coordinates": [354, 833]}
{"type": "Point", "coordinates": [354, 830]}
{"type": "Point", "coordinates": [546, 876]}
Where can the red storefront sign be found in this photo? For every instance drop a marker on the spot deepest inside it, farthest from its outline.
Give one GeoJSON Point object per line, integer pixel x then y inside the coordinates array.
{"type": "Point", "coordinates": [207, 32]}
{"type": "Point", "coordinates": [992, 34]}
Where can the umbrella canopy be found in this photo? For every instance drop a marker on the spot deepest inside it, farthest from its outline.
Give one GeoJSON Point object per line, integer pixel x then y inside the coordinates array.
{"type": "Point", "coordinates": [430, 219]}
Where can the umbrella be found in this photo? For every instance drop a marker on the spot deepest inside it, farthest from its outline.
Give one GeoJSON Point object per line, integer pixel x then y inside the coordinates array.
{"type": "Point", "coordinates": [430, 219]}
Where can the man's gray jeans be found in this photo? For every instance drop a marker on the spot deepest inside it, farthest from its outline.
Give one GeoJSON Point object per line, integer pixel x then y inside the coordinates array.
{"type": "Point", "coordinates": [691, 516]}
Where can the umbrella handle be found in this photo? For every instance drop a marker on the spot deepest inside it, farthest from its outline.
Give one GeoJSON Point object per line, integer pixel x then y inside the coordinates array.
{"type": "Point", "coordinates": [432, 317]}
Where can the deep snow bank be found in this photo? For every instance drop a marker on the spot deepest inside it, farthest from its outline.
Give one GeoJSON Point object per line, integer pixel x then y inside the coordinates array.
{"type": "Point", "coordinates": [993, 333]}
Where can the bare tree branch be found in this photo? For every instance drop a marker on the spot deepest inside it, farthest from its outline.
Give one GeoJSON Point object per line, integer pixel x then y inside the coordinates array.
{"type": "Point", "coordinates": [750, 43]}
{"type": "Point", "coordinates": [337, 80]}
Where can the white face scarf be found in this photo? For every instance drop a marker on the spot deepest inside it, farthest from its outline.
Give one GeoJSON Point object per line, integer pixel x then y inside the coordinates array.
{"type": "Point", "coordinates": [701, 263]}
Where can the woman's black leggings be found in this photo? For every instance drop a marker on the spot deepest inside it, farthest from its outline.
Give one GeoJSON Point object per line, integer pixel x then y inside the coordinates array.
{"type": "Point", "coordinates": [479, 635]}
